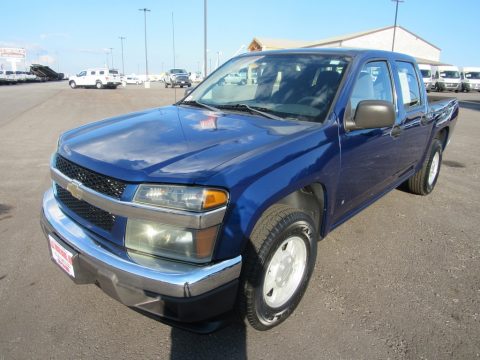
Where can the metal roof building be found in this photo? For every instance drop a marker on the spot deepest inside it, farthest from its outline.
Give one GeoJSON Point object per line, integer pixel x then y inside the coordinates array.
{"type": "Point", "coordinates": [405, 42]}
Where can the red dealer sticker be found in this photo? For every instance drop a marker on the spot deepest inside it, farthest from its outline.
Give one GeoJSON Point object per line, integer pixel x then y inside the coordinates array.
{"type": "Point", "coordinates": [62, 256]}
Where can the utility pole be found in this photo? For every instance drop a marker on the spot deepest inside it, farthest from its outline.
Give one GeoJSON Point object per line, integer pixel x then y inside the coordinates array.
{"type": "Point", "coordinates": [111, 54]}
{"type": "Point", "coordinates": [205, 38]}
{"type": "Point", "coordinates": [395, 24]}
{"type": "Point", "coordinates": [146, 55]}
{"type": "Point", "coordinates": [123, 60]}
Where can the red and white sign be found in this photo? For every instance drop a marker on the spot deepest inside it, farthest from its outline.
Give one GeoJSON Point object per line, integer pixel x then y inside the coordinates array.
{"type": "Point", "coordinates": [62, 256]}
{"type": "Point", "coordinates": [13, 53]}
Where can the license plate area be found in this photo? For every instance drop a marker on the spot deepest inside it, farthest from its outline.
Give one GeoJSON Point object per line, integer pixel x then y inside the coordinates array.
{"type": "Point", "coordinates": [62, 255]}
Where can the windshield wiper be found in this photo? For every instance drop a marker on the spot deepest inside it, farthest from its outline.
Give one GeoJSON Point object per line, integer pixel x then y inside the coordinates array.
{"type": "Point", "coordinates": [252, 109]}
{"type": "Point", "coordinates": [199, 104]}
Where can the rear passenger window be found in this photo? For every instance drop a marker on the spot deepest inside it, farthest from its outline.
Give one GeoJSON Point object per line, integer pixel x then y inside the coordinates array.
{"type": "Point", "coordinates": [409, 84]}
{"type": "Point", "coordinates": [102, 72]}
{"type": "Point", "coordinates": [373, 83]}
{"type": "Point", "coordinates": [92, 72]}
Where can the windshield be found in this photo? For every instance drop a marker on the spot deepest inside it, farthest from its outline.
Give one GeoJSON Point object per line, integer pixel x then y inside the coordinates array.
{"type": "Point", "coordinates": [450, 74]}
{"type": "Point", "coordinates": [426, 73]}
{"type": "Point", "coordinates": [287, 86]}
{"type": "Point", "coordinates": [473, 75]}
{"type": "Point", "coordinates": [178, 71]}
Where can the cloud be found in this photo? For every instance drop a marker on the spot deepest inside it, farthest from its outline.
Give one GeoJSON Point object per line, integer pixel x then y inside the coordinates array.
{"type": "Point", "coordinates": [94, 51]}
{"type": "Point", "coordinates": [45, 36]}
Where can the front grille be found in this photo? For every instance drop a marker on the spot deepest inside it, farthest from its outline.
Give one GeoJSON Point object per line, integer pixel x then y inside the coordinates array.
{"type": "Point", "coordinates": [101, 183]}
{"type": "Point", "coordinates": [92, 214]}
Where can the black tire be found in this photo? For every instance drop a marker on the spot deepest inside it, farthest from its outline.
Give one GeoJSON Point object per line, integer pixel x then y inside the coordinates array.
{"type": "Point", "coordinates": [181, 86]}
{"type": "Point", "coordinates": [166, 85]}
{"type": "Point", "coordinates": [98, 85]}
{"type": "Point", "coordinates": [72, 84]}
{"type": "Point", "coordinates": [422, 183]}
{"type": "Point", "coordinates": [277, 226]}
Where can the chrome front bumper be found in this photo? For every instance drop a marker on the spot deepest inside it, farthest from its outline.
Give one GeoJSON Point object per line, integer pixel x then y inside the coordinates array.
{"type": "Point", "coordinates": [135, 280]}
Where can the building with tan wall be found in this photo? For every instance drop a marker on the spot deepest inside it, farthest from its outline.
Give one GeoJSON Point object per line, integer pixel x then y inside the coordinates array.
{"type": "Point", "coordinates": [405, 42]}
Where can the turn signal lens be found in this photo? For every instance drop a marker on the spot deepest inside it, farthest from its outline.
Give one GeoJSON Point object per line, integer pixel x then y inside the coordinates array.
{"type": "Point", "coordinates": [214, 198]}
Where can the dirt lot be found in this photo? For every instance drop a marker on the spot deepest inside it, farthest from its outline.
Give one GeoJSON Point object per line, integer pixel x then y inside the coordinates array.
{"type": "Point", "coordinates": [401, 280]}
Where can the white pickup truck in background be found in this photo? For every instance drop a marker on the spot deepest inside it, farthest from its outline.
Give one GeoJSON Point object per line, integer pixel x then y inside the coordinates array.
{"type": "Point", "coordinates": [99, 78]}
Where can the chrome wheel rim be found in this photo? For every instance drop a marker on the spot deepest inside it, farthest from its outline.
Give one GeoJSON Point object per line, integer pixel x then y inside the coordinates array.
{"type": "Point", "coordinates": [285, 272]}
{"type": "Point", "coordinates": [434, 168]}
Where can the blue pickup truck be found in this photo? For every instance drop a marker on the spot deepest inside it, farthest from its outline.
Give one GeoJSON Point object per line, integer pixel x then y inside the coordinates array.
{"type": "Point", "coordinates": [216, 203]}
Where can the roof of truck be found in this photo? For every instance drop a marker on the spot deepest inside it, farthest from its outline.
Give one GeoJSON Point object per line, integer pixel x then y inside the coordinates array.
{"type": "Point", "coordinates": [350, 52]}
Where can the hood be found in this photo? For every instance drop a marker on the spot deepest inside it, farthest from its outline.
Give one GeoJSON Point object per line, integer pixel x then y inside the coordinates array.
{"type": "Point", "coordinates": [174, 143]}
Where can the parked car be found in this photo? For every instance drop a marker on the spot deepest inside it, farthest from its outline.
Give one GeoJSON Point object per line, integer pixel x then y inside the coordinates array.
{"type": "Point", "coordinates": [177, 77]}
{"type": "Point", "coordinates": [132, 80]}
{"type": "Point", "coordinates": [234, 78]}
{"type": "Point", "coordinates": [447, 78]}
{"type": "Point", "coordinates": [8, 77]}
{"type": "Point", "coordinates": [196, 77]}
{"type": "Point", "coordinates": [470, 78]}
{"type": "Point", "coordinates": [427, 76]}
{"type": "Point", "coordinates": [217, 202]}
{"type": "Point", "coordinates": [99, 78]}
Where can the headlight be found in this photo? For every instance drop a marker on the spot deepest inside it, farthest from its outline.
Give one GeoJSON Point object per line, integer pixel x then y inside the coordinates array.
{"type": "Point", "coordinates": [181, 197]}
{"type": "Point", "coordinates": [170, 241]}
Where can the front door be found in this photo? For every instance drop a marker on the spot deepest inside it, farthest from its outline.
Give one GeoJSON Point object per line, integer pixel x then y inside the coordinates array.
{"type": "Point", "coordinates": [369, 156]}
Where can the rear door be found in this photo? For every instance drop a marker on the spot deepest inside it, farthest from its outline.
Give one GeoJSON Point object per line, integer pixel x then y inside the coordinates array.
{"type": "Point", "coordinates": [369, 161]}
{"type": "Point", "coordinates": [413, 104]}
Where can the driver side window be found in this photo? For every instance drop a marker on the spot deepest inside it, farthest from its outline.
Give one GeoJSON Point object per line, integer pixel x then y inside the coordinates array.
{"type": "Point", "coordinates": [373, 83]}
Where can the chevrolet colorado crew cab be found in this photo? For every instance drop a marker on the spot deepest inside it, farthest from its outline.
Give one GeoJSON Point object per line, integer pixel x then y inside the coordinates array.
{"type": "Point", "coordinates": [216, 203]}
{"type": "Point", "coordinates": [99, 78]}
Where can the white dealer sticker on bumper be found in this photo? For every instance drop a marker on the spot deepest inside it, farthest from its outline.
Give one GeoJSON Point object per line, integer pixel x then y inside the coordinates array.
{"type": "Point", "coordinates": [62, 256]}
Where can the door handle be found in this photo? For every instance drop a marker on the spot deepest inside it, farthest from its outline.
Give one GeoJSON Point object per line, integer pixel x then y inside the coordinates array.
{"type": "Point", "coordinates": [396, 131]}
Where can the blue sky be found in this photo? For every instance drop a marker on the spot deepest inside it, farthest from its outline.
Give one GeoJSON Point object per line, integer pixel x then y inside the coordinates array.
{"type": "Point", "coordinates": [72, 35]}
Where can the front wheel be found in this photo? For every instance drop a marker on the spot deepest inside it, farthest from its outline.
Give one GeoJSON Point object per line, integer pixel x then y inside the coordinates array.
{"type": "Point", "coordinates": [279, 262]}
{"type": "Point", "coordinates": [72, 84]}
{"type": "Point", "coordinates": [424, 181]}
{"type": "Point", "coordinates": [98, 85]}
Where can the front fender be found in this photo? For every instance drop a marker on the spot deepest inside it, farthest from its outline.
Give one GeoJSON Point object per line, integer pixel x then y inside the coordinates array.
{"type": "Point", "coordinates": [318, 161]}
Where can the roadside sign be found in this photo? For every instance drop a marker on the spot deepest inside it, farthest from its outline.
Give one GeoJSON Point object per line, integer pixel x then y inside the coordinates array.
{"type": "Point", "coordinates": [15, 53]}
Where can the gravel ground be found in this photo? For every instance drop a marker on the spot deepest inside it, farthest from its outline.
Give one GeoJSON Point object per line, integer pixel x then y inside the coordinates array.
{"type": "Point", "coordinates": [401, 280]}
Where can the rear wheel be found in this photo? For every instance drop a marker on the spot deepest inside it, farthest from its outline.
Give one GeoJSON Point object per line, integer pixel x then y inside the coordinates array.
{"type": "Point", "coordinates": [424, 181]}
{"type": "Point", "coordinates": [279, 262]}
{"type": "Point", "coordinates": [98, 85]}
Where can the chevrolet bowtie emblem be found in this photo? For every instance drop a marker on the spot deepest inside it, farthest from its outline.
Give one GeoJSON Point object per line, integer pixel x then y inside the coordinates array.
{"type": "Point", "coordinates": [73, 188]}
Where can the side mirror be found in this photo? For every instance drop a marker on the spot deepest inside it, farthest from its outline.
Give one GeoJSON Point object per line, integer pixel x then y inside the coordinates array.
{"type": "Point", "coordinates": [372, 114]}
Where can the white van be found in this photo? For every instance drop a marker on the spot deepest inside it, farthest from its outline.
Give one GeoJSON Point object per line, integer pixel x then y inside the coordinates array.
{"type": "Point", "coordinates": [427, 75]}
{"type": "Point", "coordinates": [447, 77]}
{"type": "Point", "coordinates": [99, 78]}
{"type": "Point", "coordinates": [471, 78]}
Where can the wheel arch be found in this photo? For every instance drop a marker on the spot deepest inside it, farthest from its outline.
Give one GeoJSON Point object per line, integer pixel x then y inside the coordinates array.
{"type": "Point", "coordinates": [309, 199]}
{"type": "Point", "coordinates": [442, 135]}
